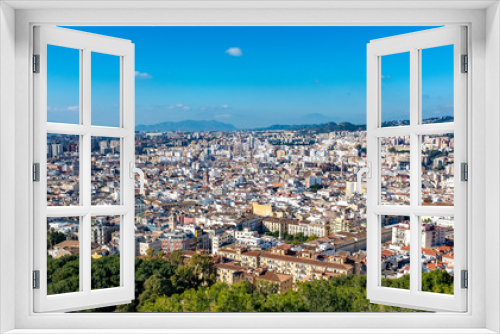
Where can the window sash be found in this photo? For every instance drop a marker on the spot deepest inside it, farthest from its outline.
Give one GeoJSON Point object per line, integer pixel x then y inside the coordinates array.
{"type": "Point", "coordinates": [86, 297]}
{"type": "Point", "coordinates": [413, 43]}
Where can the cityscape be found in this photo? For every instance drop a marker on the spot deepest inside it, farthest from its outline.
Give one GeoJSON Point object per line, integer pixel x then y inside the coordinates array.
{"type": "Point", "coordinates": [250, 141]}
{"type": "Point", "coordinates": [275, 211]}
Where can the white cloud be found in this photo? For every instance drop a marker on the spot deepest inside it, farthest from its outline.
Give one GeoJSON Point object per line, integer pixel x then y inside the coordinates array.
{"type": "Point", "coordinates": [178, 106]}
{"type": "Point", "coordinates": [235, 52]}
{"type": "Point", "coordinates": [63, 109]}
{"type": "Point", "coordinates": [225, 106]}
{"type": "Point", "coordinates": [143, 75]}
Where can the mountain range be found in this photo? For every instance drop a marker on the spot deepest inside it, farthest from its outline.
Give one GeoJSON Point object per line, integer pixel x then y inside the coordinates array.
{"type": "Point", "coordinates": [187, 126]}
{"type": "Point", "coordinates": [321, 127]}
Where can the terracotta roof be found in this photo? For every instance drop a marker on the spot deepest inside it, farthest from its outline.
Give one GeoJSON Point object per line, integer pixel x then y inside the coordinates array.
{"type": "Point", "coordinates": [445, 249]}
{"type": "Point", "coordinates": [270, 276]}
{"type": "Point", "coordinates": [67, 244]}
{"type": "Point", "coordinates": [251, 253]}
{"type": "Point", "coordinates": [386, 253]}
{"type": "Point", "coordinates": [450, 255]}
{"type": "Point", "coordinates": [229, 266]}
{"type": "Point", "coordinates": [432, 252]}
{"type": "Point", "coordinates": [432, 265]}
{"type": "Point", "coordinates": [227, 250]}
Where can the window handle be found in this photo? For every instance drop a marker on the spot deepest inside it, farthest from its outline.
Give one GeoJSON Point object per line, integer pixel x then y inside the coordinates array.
{"type": "Point", "coordinates": [361, 171]}
{"type": "Point", "coordinates": [134, 170]}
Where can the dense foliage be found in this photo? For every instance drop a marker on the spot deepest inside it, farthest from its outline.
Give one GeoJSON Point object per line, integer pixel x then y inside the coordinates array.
{"type": "Point", "coordinates": [63, 274]}
{"type": "Point", "coordinates": [54, 237]}
{"type": "Point", "coordinates": [105, 272]}
{"type": "Point", "coordinates": [438, 281]}
{"type": "Point", "coordinates": [296, 239]}
{"type": "Point", "coordinates": [161, 286]}
{"type": "Point", "coordinates": [339, 294]}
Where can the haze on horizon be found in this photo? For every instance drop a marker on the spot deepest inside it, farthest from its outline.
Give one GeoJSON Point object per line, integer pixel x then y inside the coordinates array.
{"type": "Point", "coordinates": [247, 76]}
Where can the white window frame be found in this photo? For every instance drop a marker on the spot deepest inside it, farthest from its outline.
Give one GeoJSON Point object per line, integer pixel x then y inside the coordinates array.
{"type": "Point", "coordinates": [414, 43]}
{"type": "Point", "coordinates": [85, 43]}
{"type": "Point", "coordinates": [484, 103]}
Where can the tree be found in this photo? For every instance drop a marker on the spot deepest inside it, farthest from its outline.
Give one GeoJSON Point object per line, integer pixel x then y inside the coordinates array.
{"type": "Point", "coordinates": [203, 269]}
{"type": "Point", "coordinates": [266, 288]}
{"type": "Point", "coordinates": [438, 281]}
{"type": "Point", "coordinates": [199, 271]}
{"type": "Point", "coordinates": [314, 188]}
{"type": "Point", "coordinates": [54, 237]}
{"type": "Point", "coordinates": [63, 274]}
{"type": "Point", "coordinates": [400, 283]}
{"type": "Point", "coordinates": [162, 287]}
{"type": "Point", "coordinates": [184, 278]}
{"type": "Point", "coordinates": [150, 252]}
{"type": "Point", "coordinates": [346, 293]}
{"type": "Point", "coordinates": [154, 287]}
{"type": "Point", "coordinates": [144, 269]}
{"type": "Point", "coordinates": [105, 272]}
{"type": "Point", "coordinates": [177, 257]}
{"type": "Point", "coordinates": [312, 237]}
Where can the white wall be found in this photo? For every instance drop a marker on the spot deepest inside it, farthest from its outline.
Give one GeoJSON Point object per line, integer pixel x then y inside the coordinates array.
{"type": "Point", "coordinates": [256, 17]}
{"type": "Point", "coordinates": [492, 163]}
{"type": "Point", "coordinates": [7, 157]}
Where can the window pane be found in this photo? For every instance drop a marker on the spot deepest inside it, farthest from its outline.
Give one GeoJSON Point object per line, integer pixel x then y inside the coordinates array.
{"type": "Point", "coordinates": [395, 172]}
{"type": "Point", "coordinates": [437, 254]}
{"type": "Point", "coordinates": [438, 169]}
{"type": "Point", "coordinates": [395, 251]}
{"type": "Point", "coordinates": [395, 89]}
{"type": "Point", "coordinates": [105, 238]}
{"type": "Point", "coordinates": [105, 90]}
{"type": "Point", "coordinates": [63, 85]}
{"type": "Point", "coordinates": [437, 84]}
{"type": "Point", "coordinates": [63, 169]}
{"type": "Point", "coordinates": [63, 261]}
{"type": "Point", "coordinates": [105, 171]}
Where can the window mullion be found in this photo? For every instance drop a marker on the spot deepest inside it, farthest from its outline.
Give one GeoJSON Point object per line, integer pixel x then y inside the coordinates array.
{"type": "Point", "coordinates": [414, 168]}
{"type": "Point", "coordinates": [85, 191]}
{"type": "Point", "coordinates": [373, 157]}
{"type": "Point", "coordinates": [85, 256]}
{"type": "Point", "coordinates": [86, 160]}
{"type": "Point", "coordinates": [127, 240]}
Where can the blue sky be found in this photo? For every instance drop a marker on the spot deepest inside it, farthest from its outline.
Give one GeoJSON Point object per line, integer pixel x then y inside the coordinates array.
{"type": "Point", "coordinates": [249, 76]}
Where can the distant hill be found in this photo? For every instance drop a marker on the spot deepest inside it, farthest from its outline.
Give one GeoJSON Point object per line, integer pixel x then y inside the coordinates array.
{"type": "Point", "coordinates": [332, 127]}
{"type": "Point", "coordinates": [319, 128]}
{"type": "Point", "coordinates": [346, 126]}
{"type": "Point", "coordinates": [442, 119]}
{"type": "Point", "coordinates": [187, 126]}
{"type": "Point", "coordinates": [193, 126]}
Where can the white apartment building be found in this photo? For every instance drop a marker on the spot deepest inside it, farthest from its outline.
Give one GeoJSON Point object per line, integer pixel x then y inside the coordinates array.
{"type": "Point", "coordinates": [154, 243]}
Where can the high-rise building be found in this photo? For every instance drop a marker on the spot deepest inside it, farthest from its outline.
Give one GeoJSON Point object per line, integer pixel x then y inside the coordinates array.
{"type": "Point", "coordinates": [56, 150]}
{"type": "Point", "coordinates": [206, 177]}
